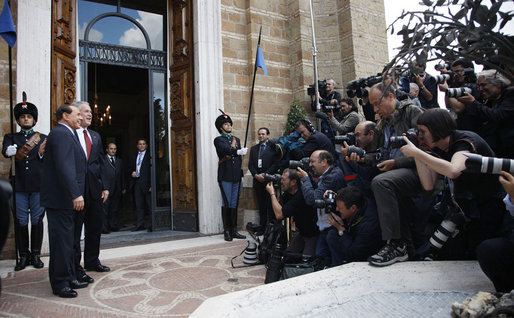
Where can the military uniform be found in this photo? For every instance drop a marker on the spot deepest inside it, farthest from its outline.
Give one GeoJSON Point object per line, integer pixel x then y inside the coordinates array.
{"type": "Point", "coordinates": [28, 169]}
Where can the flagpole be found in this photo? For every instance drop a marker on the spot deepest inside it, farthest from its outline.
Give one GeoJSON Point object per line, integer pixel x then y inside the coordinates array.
{"type": "Point", "coordinates": [13, 162]}
{"type": "Point", "coordinates": [315, 65]}
{"type": "Point", "coordinates": [253, 86]}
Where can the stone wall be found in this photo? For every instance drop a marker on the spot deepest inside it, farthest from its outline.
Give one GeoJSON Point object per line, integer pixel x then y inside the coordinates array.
{"type": "Point", "coordinates": [350, 38]}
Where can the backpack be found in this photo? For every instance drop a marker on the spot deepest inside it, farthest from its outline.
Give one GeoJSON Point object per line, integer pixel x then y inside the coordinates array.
{"type": "Point", "coordinates": [275, 233]}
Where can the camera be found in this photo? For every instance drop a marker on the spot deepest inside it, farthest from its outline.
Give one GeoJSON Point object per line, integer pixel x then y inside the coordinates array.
{"type": "Point", "coordinates": [349, 138]}
{"type": "Point", "coordinates": [329, 203]}
{"type": "Point", "coordinates": [326, 108]}
{"type": "Point", "coordinates": [358, 87]}
{"type": "Point", "coordinates": [359, 151]}
{"type": "Point", "coordinates": [398, 141]}
{"type": "Point", "coordinates": [275, 178]}
{"type": "Point", "coordinates": [441, 66]}
{"type": "Point", "coordinates": [490, 165]}
{"type": "Point", "coordinates": [322, 89]}
{"type": "Point", "coordinates": [458, 92]}
{"type": "Point", "coordinates": [302, 163]}
{"type": "Point", "coordinates": [438, 79]}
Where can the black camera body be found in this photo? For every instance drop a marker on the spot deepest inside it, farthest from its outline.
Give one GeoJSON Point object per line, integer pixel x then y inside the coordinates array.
{"type": "Point", "coordinates": [358, 87]}
{"type": "Point", "coordinates": [398, 141]}
{"type": "Point", "coordinates": [329, 203]}
{"type": "Point", "coordinates": [349, 138]}
{"type": "Point", "coordinates": [302, 163]}
{"type": "Point", "coordinates": [322, 89]}
{"type": "Point", "coordinates": [275, 178]}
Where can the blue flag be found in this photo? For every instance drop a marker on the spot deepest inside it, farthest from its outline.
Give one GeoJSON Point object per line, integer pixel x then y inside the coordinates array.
{"type": "Point", "coordinates": [260, 60]}
{"type": "Point", "coordinates": [7, 30]}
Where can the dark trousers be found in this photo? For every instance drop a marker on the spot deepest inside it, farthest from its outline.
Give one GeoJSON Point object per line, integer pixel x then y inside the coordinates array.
{"type": "Point", "coordinates": [110, 209]}
{"type": "Point", "coordinates": [142, 199]}
{"type": "Point", "coordinates": [61, 269]}
{"type": "Point", "coordinates": [92, 219]}
{"type": "Point", "coordinates": [264, 202]}
{"type": "Point", "coordinates": [389, 189]}
{"type": "Point", "coordinates": [496, 258]}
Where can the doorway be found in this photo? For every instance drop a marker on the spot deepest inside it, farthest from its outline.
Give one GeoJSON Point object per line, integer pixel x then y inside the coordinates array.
{"type": "Point", "coordinates": [124, 110]}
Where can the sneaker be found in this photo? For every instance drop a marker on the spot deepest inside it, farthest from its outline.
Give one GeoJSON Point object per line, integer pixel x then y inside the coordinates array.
{"type": "Point", "coordinates": [389, 254]}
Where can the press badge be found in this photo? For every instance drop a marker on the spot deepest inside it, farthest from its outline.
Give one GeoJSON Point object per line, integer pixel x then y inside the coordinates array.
{"type": "Point", "coordinates": [259, 163]}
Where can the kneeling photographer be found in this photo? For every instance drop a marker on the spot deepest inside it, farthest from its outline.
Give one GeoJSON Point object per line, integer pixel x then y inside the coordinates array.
{"type": "Point", "coordinates": [328, 177]}
{"type": "Point", "coordinates": [292, 204]}
{"type": "Point", "coordinates": [478, 195]}
{"type": "Point", "coordinates": [356, 232]}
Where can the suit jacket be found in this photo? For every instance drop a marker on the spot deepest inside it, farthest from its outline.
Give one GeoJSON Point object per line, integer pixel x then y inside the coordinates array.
{"type": "Point", "coordinates": [269, 163]}
{"type": "Point", "coordinates": [96, 167]}
{"type": "Point", "coordinates": [64, 169]}
{"type": "Point", "coordinates": [28, 170]}
{"type": "Point", "coordinates": [144, 171]}
{"type": "Point", "coordinates": [115, 176]}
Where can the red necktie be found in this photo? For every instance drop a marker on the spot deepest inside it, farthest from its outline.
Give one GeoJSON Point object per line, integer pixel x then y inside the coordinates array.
{"type": "Point", "coordinates": [88, 143]}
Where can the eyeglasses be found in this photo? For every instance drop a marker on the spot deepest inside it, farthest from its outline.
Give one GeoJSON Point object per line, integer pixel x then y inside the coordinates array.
{"type": "Point", "coordinates": [483, 84]}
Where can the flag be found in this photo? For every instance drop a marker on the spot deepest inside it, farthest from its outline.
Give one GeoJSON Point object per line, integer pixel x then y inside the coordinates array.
{"type": "Point", "coordinates": [260, 60]}
{"type": "Point", "coordinates": [7, 30]}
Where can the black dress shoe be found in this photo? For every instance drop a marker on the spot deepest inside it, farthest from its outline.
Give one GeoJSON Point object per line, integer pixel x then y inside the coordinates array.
{"type": "Point", "coordinates": [98, 268]}
{"type": "Point", "coordinates": [66, 292]}
{"type": "Point", "coordinates": [105, 232]}
{"type": "Point", "coordinates": [138, 228]}
{"type": "Point", "coordinates": [86, 278]}
{"type": "Point", "coordinates": [115, 229]}
{"type": "Point", "coordinates": [75, 284]}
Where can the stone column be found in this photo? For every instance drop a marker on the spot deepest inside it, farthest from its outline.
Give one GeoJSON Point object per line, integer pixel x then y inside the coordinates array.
{"type": "Point", "coordinates": [208, 98]}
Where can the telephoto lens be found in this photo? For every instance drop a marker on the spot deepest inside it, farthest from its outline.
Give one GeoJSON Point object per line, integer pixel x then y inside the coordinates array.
{"type": "Point", "coordinates": [438, 79]}
{"type": "Point", "coordinates": [490, 165]}
{"type": "Point", "coordinates": [349, 138]}
{"type": "Point", "coordinates": [457, 92]}
{"type": "Point", "coordinates": [275, 264]}
{"type": "Point", "coordinates": [359, 151]}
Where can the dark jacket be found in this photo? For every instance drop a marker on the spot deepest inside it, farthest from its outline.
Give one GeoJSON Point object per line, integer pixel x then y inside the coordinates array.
{"type": "Point", "coordinates": [64, 169]}
{"type": "Point", "coordinates": [229, 164]}
{"type": "Point", "coordinates": [28, 170]}
{"type": "Point", "coordinates": [497, 122]}
{"type": "Point", "coordinates": [115, 175]}
{"type": "Point", "coordinates": [361, 237]}
{"type": "Point", "coordinates": [317, 141]}
{"type": "Point", "coordinates": [96, 167]}
{"type": "Point", "coordinates": [144, 172]}
{"type": "Point", "coordinates": [269, 163]}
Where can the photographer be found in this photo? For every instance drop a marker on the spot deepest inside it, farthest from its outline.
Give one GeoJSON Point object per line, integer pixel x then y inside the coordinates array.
{"type": "Point", "coordinates": [356, 232]}
{"type": "Point", "coordinates": [329, 177]}
{"type": "Point", "coordinates": [463, 76]}
{"type": "Point", "coordinates": [398, 182]}
{"type": "Point", "coordinates": [366, 138]}
{"type": "Point", "coordinates": [479, 195]}
{"type": "Point", "coordinates": [496, 114]}
{"type": "Point", "coordinates": [426, 83]}
{"type": "Point", "coordinates": [351, 117]}
{"type": "Point", "coordinates": [314, 140]}
{"type": "Point", "coordinates": [330, 106]}
{"type": "Point", "coordinates": [292, 204]}
{"type": "Point", "coordinates": [332, 97]}
{"type": "Point", "coordinates": [496, 255]}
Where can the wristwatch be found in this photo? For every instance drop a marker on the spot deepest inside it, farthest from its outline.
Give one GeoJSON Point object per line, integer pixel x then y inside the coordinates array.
{"type": "Point", "coordinates": [341, 232]}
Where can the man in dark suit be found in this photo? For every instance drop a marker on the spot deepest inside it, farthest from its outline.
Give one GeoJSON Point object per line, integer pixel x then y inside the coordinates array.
{"type": "Point", "coordinates": [262, 161]}
{"type": "Point", "coordinates": [116, 184]}
{"type": "Point", "coordinates": [62, 194]}
{"type": "Point", "coordinates": [96, 194]}
{"type": "Point", "coordinates": [140, 179]}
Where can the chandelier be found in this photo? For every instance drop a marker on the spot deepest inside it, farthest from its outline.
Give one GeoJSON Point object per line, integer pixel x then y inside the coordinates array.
{"type": "Point", "coordinates": [101, 115]}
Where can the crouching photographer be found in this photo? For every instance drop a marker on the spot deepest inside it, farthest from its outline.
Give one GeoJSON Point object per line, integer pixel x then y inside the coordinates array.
{"type": "Point", "coordinates": [356, 231]}
{"type": "Point", "coordinates": [292, 204]}
{"type": "Point", "coordinates": [479, 195]}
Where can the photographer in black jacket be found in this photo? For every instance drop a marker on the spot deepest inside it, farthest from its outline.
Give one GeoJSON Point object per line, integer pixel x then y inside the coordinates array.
{"type": "Point", "coordinates": [292, 204]}
{"type": "Point", "coordinates": [356, 232]}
